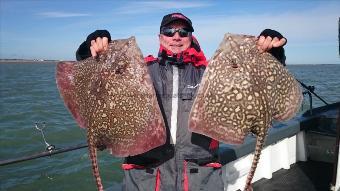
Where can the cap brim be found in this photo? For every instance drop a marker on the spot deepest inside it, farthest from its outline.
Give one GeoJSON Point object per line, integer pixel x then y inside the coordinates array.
{"type": "Point", "coordinates": [179, 19]}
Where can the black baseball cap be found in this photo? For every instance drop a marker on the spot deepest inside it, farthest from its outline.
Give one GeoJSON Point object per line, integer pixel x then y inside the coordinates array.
{"type": "Point", "coordinates": [167, 19]}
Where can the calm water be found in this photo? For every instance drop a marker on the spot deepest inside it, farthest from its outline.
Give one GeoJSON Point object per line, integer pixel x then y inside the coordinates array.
{"type": "Point", "coordinates": [29, 94]}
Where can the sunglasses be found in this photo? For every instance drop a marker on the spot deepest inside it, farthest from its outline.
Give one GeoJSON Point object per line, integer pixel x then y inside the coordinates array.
{"type": "Point", "coordinates": [170, 32]}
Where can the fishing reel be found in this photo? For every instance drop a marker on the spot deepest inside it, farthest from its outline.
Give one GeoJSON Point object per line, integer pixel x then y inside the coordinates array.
{"type": "Point", "coordinates": [310, 88]}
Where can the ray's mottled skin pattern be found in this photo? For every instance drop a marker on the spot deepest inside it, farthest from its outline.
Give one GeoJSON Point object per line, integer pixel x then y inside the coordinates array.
{"type": "Point", "coordinates": [241, 92]}
{"type": "Point", "coordinates": [113, 97]}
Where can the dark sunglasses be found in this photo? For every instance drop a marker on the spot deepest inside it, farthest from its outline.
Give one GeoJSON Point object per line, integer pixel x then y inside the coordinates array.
{"type": "Point", "coordinates": [170, 32]}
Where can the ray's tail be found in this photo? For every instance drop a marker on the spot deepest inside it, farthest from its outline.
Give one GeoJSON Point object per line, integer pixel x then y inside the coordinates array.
{"type": "Point", "coordinates": [258, 148]}
{"type": "Point", "coordinates": [95, 169]}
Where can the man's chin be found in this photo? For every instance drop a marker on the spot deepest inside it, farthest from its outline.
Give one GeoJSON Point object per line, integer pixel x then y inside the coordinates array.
{"type": "Point", "coordinates": [176, 50]}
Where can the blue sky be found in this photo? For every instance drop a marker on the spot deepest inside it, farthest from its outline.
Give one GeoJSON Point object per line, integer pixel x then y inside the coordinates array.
{"type": "Point", "coordinates": [54, 29]}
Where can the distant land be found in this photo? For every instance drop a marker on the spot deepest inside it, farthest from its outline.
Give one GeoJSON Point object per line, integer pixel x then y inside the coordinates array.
{"type": "Point", "coordinates": [28, 60]}
{"type": "Point", "coordinates": [23, 61]}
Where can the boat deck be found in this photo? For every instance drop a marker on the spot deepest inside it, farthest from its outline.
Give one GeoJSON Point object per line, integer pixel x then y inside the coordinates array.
{"type": "Point", "coordinates": [302, 176]}
{"type": "Point", "coordinates": [298, 155]}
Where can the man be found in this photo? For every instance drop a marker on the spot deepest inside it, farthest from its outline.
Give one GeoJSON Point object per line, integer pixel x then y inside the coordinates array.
{"type": "Point", "coordinates": [187, 161]}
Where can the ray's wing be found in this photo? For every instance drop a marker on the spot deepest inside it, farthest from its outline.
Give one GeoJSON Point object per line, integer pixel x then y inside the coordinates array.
{"type": "Point", "coordinates": [289, 95]}
{"type": "Point", "coordinates": [65, 82]}
{"type": "Point", "coordinates": [225, 98]}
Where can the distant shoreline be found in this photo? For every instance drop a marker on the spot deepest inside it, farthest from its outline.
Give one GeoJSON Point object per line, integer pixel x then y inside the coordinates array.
{"type": "Point", "coordinates": [35, 61]}
{"type": "Point", "coordinates": [25, 61]}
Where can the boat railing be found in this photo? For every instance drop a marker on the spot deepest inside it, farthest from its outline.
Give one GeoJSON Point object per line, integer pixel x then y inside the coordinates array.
{"type": "Point", "coordinates": [310, 98]}
{"type": "Point", "coordinates": [309, 90]}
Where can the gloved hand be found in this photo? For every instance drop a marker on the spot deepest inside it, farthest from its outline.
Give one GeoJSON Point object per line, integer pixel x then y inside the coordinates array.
{"type": "Point", "coordinates": [269, 39]}
{"type": "Point", "coordinates": [96, 43]}
{"type": "Point", "coordinates": [272, 41]}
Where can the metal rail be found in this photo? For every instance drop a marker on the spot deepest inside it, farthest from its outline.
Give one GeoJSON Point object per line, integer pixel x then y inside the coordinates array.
{"type": "Point", "coordinates": [311, 90]}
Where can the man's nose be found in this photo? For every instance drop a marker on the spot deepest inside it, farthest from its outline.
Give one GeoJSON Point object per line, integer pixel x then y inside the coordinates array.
{"type": "Point", "coordinates": [176, 36]}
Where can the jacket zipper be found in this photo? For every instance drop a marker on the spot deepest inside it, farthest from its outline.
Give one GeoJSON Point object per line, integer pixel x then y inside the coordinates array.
{"type": "Point", "coordinates": [174, 103]}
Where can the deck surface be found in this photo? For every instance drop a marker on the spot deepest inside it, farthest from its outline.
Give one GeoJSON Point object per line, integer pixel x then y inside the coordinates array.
{"type": "Point", "coordinates": [302, 176]}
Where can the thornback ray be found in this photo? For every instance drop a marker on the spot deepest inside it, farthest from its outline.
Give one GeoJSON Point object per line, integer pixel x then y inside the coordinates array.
{"type": "Point", "coordinates": [113, 97]}
{"type": "Point", "coordinates": [242, 92]}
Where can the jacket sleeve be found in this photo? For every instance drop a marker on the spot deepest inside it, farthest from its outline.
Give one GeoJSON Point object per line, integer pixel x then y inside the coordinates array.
{"type": "Point", "coordinates": [277, 52]}
{"type": "Point", "coordinates": [84, 51]}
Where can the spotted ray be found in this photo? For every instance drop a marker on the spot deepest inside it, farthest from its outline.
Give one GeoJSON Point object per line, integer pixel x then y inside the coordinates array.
{"type": "Point", "coordinates": [113, 97]}
{"type": "Point", "coordinates": [241, 92]}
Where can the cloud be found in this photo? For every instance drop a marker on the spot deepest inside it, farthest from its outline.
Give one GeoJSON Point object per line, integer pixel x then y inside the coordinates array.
{"type": "Point", "coordinates": [309, 27]}
{"type": "Point", "coordinates": [307, 24]}
{"type": "Point", "coordinates": [150, 6]}
{"type": "Point", "coordinates": [59, 14]}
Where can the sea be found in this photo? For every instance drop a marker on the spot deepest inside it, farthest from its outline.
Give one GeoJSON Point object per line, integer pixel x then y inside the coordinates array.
{"type": "Point", "coordinates": [29, 96]}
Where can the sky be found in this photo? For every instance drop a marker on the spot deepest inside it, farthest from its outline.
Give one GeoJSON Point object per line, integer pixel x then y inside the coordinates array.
{"type": "Point", "coordinates": [44, 29]}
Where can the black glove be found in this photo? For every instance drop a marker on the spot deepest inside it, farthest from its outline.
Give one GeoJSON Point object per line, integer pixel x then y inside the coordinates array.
{"type": "Point", "coordinates": [272, 33]}
{"type": "Point", "coordinates": [277, 52]}
{"type": "Point", "coordinates": [84, 51]}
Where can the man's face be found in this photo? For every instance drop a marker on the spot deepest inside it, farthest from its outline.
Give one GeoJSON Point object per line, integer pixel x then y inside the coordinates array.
{"type": "Point", "coordinates": [175, 44]}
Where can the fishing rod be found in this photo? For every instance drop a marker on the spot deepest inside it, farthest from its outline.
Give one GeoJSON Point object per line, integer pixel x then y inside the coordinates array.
{"type": "Point", "coordinates": [43, 154]}
{"type": "Point", "coordinates": [49, 151]}
{"type": "Point", "coordinates": [311, 90]}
